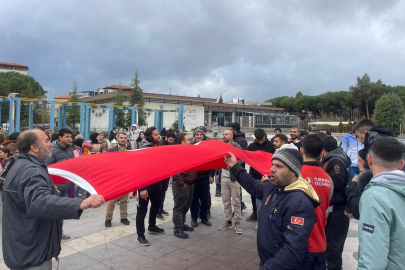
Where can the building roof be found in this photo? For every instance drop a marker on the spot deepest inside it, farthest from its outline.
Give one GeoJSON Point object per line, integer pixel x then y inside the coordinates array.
{"type": "Point", "coordinates": [117, 86]}
{"type": "Point", "coordinates": [12, 64]}
{"type": "Point", "coordinates": [235, 106]}
{"type": "Point", "coordinates": [63, 96]}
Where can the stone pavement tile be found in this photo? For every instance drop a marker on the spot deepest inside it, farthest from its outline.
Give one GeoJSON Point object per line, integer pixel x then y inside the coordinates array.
{"type": "Point", "coordinates": [66, 251]}
{"type": "Point", "coordinates": [175, 241]}
{"type": "Point", "coordinates": [203, 231]}
{"type": "Point", "coordinates": [227, 237]}
{"type": "Point", "coordinates": [127, 260]}
{"type": "Point", "coordinates": [156, 250]}
{"type": "Point", "coordinates": [105, 251]}
{"type": "Point", "coordinates": [98, 266]}
{"type": "Point", "coordinates": [129, 242]}
{"type": "Point", "coordinates": [233, 257]}
{"type": "Point", "coordinates": [74, 262]}
{"type": "Point", "coordinates": [351, 233]}
{"type": "Point", "coordinates": [253, 264]}
{"type": "Point", "coordinates": [154, 265]}
{"type": "Point", "coordinates": [204, 247]}
{"type": "Point", "coordinates": [181, 259]}
{"type": "Point", "coordinates": [210, 263]}
{"type": "Point", "coordinates": [246, 244]}
{"type": "Point", "coordinates": [79, 244]}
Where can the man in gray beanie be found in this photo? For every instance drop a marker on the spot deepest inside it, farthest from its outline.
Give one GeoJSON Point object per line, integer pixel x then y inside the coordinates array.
{"type": "Point", "coordinates": [287, 215]}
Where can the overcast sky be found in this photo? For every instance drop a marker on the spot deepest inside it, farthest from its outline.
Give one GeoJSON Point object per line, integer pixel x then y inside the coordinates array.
{"type": "Point", "coordinates": [249, 49]}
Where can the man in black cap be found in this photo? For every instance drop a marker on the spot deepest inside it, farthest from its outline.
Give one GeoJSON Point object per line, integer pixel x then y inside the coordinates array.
{"type": "Point", "coordinates": [287, 215]}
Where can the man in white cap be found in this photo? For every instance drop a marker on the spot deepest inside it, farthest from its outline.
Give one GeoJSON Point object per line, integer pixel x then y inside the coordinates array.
{"type": "Point", "coordinates": [134, 135]}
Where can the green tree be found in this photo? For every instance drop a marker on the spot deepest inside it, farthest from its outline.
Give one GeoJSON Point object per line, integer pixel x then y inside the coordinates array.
{"type": "Point", "coordinates": [26, 86]}
{"type": "Point", "coordinates": [136, 99]}
{"type": "Point", "coordinates": [122, 117]}
{"type": "Point", "coordinates": [363, 91]}
{"type": "Point", "coordinates": [220, 99]}
{"type": "Point", "coordinates": [73, 113]}
{"type": "Point", "coordinates": [389, 112]}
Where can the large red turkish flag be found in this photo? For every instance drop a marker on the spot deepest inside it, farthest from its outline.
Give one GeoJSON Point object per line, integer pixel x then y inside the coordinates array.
{"type": "Point", "coordinates": [115, 174]}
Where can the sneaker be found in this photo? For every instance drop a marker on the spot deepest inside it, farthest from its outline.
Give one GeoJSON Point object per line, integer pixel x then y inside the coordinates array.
{"type": "Point", "coordinates": [159, 216]}
{"type": "Point", "coordinates": [108, 223]}
{"type": "Point", "coordinates": [181, 234]}
{"type": "Point", "coordinates": [252, 217]}
{"type": "Point", "coordinates": [206, 222]}
{"type": "Point", "coordinates": [243, 206]}
{"type": "Point", "coordinates": [194, 223]}
{"type": "Point", "coordinates": [156, 230]}
{"type": "Point", "coordinates": [256, 226]}
{"type": "Point", "coordinates": [227, 225]}
{"type": "Point", "coordinates": [65, 236]}
{"type": "Point", "coordinates": [187, 228]}
{"type": "Point", "coordinates": [238, 228]}
{"type": "Point", "coordinates": [163, 212]}
{"type": "Point", "coordinates": [124, 221]}
{"type": "Point", "coordinates": [218, 194]}
{"type": "Point", "coordinates": [142, 240]}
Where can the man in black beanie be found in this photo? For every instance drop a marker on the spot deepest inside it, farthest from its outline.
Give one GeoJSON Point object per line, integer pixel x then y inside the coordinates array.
{"type": "Point", "coordinates": [287, 214]}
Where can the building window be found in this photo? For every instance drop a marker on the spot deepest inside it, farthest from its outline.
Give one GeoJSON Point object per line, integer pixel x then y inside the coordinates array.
{"type": "Point", "coordinates": [266, 120]}
{"type": "Point", "coordinates": [259, 119]}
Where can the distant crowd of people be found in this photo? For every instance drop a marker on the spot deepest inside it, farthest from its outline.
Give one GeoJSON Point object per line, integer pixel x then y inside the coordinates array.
{"type": "Point", "coordinates": [303, 208]}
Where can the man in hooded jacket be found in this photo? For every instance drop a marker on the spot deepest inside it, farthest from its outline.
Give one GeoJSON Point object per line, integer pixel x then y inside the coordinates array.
{"type": "Point", "coordinates": [287, 215]}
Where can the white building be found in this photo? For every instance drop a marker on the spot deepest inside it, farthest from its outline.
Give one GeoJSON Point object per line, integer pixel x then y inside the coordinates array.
{"type": "Point", "coordinates": [13, 67]}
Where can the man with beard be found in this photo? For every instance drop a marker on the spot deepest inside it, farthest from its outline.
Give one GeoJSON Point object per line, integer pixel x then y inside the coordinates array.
{"type": "Point", "coordinates": [152, 192]}
{"type": "Point", "coordinates": [122, 146]}
{"type": "Point", "coordinates": [287, 215]}
{"type": "Point", "coordinates": [279, 140]}
{"type": "Point", "coordinates": [31, 198]}
{"type": "Point", "coordinates": [295, 137]}
{"type": "Point", "coordinates": [168, 140]}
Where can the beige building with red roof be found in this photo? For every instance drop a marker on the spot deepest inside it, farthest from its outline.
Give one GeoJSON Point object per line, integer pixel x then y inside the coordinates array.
{"type": "Point", "coordinates": [13, 67]}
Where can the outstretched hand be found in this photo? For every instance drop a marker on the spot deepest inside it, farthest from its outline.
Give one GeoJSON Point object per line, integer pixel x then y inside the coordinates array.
{"type": "Point", "coordinates": [230, 160]}
{"type": "Point", "coordinates": [94, 201]}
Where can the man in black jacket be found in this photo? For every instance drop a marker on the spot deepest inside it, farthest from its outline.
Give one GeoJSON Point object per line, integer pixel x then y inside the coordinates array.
{"type": "Point", "coordinates": [334, 164]}
{"type": "Point", "coordinates": [152, 192]}
{"type": "Point", "coordinates": [261, 143]}
{"type": "Point", "coordinates": [121, 146]}
{"type": "Point", "coordinates": [31, 198]}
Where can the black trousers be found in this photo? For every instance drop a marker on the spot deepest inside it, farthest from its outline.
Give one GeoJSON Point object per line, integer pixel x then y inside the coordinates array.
{"type": "Point", "coordinates": [254, 203]}
{"type": "Point", "coordinates": [318, 261]}
{"type": "Point", "coordinates": [336, 232]}
{"type": "Point", "coordinates": [165, 186]}
{"type": "Point", "coordinates": [155, 199]}
{"type": "Point", "coordinates": [183, 198]}
{"type": "Point", "coordinates": [201, 191]}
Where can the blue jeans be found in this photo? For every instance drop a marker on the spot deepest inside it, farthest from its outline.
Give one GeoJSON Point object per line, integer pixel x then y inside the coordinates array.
{"type": "Point", "coordinates": [62, 193]}
{"type": "Point", "coordinates": [352, 172]}
{"type": "Point", "coordinates": [259, 207]}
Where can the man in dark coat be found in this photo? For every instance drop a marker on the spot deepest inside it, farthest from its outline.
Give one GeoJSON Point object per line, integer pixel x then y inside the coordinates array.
{"type": "Point", "coordinates": [261, 143]}
{"type": "Point", "coordinates": [287, 216]}
{"type": "Point", "coordinates": [31, 199]}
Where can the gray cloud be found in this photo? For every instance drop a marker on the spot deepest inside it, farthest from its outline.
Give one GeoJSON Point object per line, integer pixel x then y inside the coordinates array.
{"type": "Point", "coordinates": [249, 49]}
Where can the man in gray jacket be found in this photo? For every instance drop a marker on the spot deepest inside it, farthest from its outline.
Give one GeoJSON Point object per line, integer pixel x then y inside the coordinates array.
{"type": "Point", "coordinates": [32, 210]}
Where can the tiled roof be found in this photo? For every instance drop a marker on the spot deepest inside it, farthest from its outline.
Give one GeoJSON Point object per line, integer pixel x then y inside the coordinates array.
{"type": "Point", "coordinates": [117, 86]}
{"type": "Point", "coordinates": [63, 96]}
{"type": "Point", "coordinates": [12, 64]}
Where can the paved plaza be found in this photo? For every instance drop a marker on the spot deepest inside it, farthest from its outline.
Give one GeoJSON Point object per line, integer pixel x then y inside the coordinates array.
{"type": "Point", "coordinates": [94, 247]}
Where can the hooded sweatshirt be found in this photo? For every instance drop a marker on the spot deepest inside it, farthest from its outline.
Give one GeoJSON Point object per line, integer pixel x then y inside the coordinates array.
{"type": "Point", "coordinates": [267, 146]}
{"type": "Point", "coordinates": [240, 139]}
{"type": "Point", "coordinates": [134, 133]}
{"type": "Point", "coordinates": [334, 164]}
{"type": "Point", "coordinates": [286, 220]}
{"type": "Point", "coordinates": [351, 146]}
{"type": "Point", "coordinates": [382, 223]}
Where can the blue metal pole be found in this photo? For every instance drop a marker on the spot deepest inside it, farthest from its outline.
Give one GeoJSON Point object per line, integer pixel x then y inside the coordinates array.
{"type": "Point", "coordinates": [181, 111]}
{"type": "Point", "coordinates": [82, 116]}
{"type": "Point", "coordinates": [60, 117]}
{"type": "Point", "coordinates": [10, 117]}
{"type": "Point", "coordinates": [114, 116]}
{"type": "Point", "coordinates": [64, 116]}
{"type": "Point", "coordinates": [135, 116]}
{"type": "Point", "coordinates": [155, 116]}
{"type": "Point", "coordinates": [52, 116]}
{"type": "Point", "coordinates": [110, 118]}
{"type": "Point", "coordinates": [160, 119]}
{"type": "Point", "coordinates": [17, 114]}
{"type": "Point", "coordinates": [31, 116]}
{"type": "Point", "coordinates": [87, 125]}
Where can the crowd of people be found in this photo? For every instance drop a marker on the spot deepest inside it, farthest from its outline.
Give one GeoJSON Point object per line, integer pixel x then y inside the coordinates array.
{"type": "Point", "coordinates": [303, 208]}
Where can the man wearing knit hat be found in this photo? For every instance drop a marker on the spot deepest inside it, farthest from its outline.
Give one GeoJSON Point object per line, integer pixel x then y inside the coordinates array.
{"type": "Point", "coordinates": [287, 214]}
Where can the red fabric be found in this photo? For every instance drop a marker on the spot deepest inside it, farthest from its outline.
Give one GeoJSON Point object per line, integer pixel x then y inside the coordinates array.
{"type": "Point", "coordinates": [115, 174]}
{"type": "Point", "coordinates": [319, 180]}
